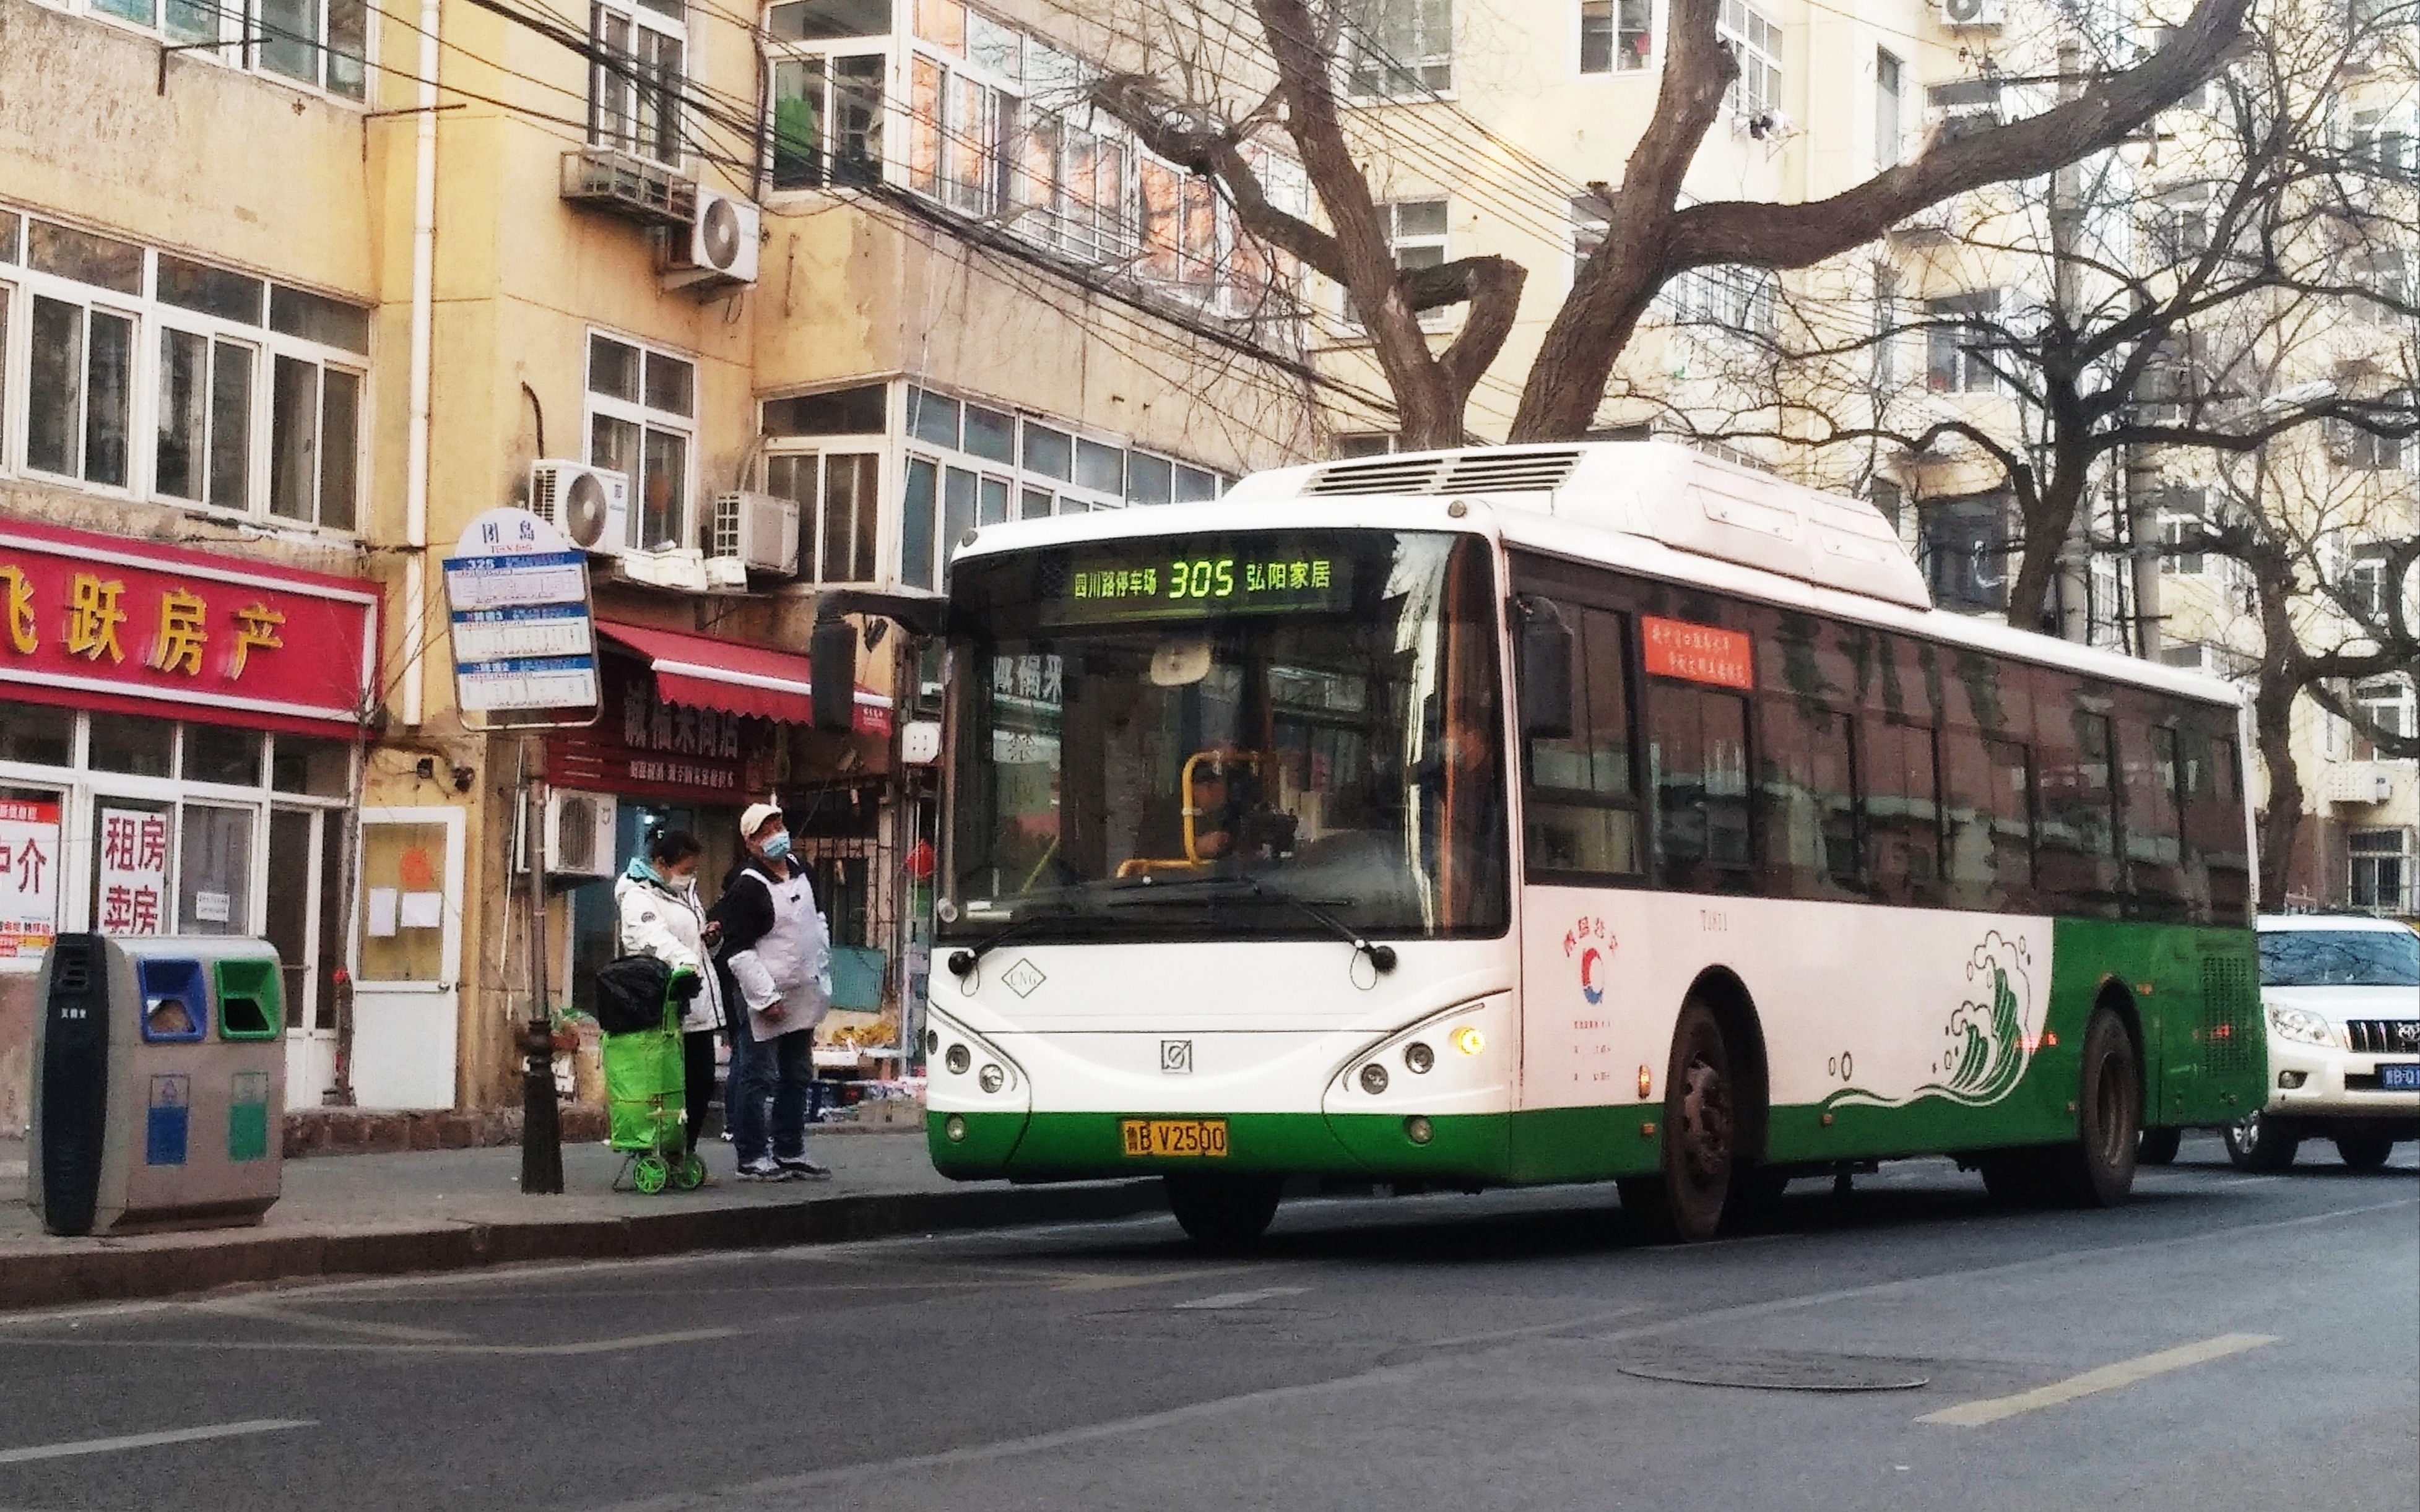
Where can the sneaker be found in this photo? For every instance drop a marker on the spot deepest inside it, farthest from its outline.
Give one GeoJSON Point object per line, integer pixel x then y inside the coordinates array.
{"type": "Point", "coordinates": [765, 1168]}
{"type": "Point", "coordinates": [800, 1167]}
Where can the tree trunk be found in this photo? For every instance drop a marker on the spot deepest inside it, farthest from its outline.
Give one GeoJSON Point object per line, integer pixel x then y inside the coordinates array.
{"type": "Point", "coordinates": [2281, 817]}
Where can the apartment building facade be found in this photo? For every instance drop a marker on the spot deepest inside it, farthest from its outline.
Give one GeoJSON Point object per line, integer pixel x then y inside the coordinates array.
{"type": "Point", "coordinates": [757, 304]}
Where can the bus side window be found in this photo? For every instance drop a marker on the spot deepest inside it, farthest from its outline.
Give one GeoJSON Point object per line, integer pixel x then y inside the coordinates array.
{"type": "Point", "coordinates": [2154, 841]}
{"type": "Point", "coordinates": [1900, 793]}
{"type": "Point", "coordinates": [2078, 864]}
{"type": "Point", "coordinates": [1696, 744]}
{"type": "Point", "coordinates": [1811, 801]}
{"type": "Point", "coordinates": [1987, 804]}
{"type": "Point", "coordinates": [2213, 822]}
{"type": "Point", "coordinates": [1582, 798]}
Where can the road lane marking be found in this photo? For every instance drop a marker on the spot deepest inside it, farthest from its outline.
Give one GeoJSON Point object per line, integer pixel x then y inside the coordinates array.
{"type": "Point", "coordinates": [1238, 1299]}
{"type": "Point", "coordinates": [607, 1345]}
{"type": "Point", "coordinates": [2108, 1378]}
{"type": "Point", "coordinates": [148, 1441]}
{"type": "Point", "coordinates": [294, 1317]}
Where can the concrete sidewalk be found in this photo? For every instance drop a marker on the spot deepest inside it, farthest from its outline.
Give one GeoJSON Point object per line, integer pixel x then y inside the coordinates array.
{"type": "Point", "coordinates": [458, 1209]}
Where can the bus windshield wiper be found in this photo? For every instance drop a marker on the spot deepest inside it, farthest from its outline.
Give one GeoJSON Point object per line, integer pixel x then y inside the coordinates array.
{"type": "Point", "coordinates": [1381, 956]}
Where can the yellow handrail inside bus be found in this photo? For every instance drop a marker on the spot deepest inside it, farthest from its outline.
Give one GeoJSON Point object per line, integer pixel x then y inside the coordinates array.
{"type": "Point", "coordinates": [1191, 862]}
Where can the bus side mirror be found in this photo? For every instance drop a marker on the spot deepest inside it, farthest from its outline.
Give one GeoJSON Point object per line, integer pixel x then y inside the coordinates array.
{"type": "Point", "coordinates": [1546, 672]}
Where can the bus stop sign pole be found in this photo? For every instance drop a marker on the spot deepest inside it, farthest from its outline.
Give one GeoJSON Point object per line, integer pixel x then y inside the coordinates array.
{"type": "Point", "coordinates": [523, 637]}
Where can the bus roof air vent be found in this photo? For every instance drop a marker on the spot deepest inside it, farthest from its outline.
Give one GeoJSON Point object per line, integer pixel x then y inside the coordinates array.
{"type": "Point", "coordinates": [1509, 471]}
{"type": "Point", "coordinates": [1378, 474]}
{"type": "Point", "coordinates": [1493, 469]}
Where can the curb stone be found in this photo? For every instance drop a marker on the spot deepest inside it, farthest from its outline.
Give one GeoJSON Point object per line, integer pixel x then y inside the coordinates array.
{"type": "Point", "coordinates": [182, 1264]}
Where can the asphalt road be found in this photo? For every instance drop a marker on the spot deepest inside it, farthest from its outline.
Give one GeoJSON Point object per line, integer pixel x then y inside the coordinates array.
{"type": "Point", "coordinates": [2223, 1342]}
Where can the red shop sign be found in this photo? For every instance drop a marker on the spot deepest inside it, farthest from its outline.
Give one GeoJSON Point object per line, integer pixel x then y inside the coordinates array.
{"type": "Point", "coordinates": [99, 621]}
{"type": "Point", "coordinates": [644, 747]}
{"type": "Point", "coordinates": [1699, 653]}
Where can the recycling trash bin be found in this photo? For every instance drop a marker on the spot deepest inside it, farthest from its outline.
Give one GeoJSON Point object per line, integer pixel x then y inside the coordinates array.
{"type": "Point", "coordinates": [159, 1084]}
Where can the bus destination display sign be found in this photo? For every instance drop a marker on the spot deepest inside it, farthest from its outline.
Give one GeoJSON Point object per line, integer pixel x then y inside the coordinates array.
{"type": "Point", "coordinates": [1142, 581]}
{"type": "Point", "coordinates": [1697, 652]}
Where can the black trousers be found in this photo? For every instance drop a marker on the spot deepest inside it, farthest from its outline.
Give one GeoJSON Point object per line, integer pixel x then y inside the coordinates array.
{"type": "Point", "coordinates": [697, 1078]}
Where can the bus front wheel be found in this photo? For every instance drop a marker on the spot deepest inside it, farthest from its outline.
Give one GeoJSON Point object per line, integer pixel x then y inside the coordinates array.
{"type": "Point", "coordinates": [1223, 1213]}
{"type": "Point", "coordinates": [1701, 1122]}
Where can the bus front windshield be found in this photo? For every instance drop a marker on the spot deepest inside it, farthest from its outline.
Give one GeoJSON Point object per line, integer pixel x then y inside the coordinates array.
{"type": "Point", "coordinates": [1278, 735]}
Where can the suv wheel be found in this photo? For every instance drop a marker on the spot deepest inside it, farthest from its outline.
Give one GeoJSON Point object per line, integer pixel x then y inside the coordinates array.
{"type": "Point", "coordinates": [2258, 1142]}
{"type": "Point", "coordinates": [2363, 1152]}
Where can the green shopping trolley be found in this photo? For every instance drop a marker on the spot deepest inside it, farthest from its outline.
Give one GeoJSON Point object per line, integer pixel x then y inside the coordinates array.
{"type": "Point", "coordinates": [646, 1103]}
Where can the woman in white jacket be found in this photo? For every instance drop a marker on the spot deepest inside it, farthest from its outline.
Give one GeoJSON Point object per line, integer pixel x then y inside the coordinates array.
{"type": "Point", "coordinates": [656, 900]}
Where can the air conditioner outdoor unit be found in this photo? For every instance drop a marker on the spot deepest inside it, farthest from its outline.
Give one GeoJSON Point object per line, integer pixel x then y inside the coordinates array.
{"type": "Point", "coordinates": [591, 505]}
{"type": "Point", "coordinates": [2360, 782]}
{"type": "Point", "coordinates": [716, 249]}
{"type": "Point", "coordinates": [579, 832]}
{"type": "Point", "coordinates": [1961, 13]}
{"type": "Point", "coordinates": [760, 529]}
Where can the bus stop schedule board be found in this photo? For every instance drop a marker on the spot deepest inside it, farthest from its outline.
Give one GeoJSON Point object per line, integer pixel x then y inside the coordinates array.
{"type": "Point", "coordinates": [523, 637]}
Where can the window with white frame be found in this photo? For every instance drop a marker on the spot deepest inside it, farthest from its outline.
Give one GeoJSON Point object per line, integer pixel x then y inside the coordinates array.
{"type": "Point", "coordinates": [160, 378]}
{"type": "Point", "coordinates": [1399, 48]}
{"type": "Point", "coordinates": [825, 451]}
{"type": "Point", "coordinates": [324, 45]}
{"type": "Point", "coordinates": [2378, 873]}
{"type": "Point", "coordinates": [826, 126]}
{"type": "Point", "coordinates": [1890, 108]}
{"type": "Point", "coordinates": [2386, 702]}
{"type": "Point", "coordinates": [2181, 223]}
{"type": "Point", "coordinates": [1417, 237]}
{"type": "Point", "coordinates": [641, 412]}
{"type": "Point", "coordinates": [2377, 142]}
{"type": "Point", "coordinates": [2183, 524]}
{"type": "Point", "coordinates": [1723, 301]}
{"type": "Point", "coordinates": [1755, 39]}
{"type": "Point", "coordinates": [635, 76]}
{"type": "Point", "coordinates": [1958, 334]}
{"type": "Point", "coordinates": [1617, 35]}
{"type": "Point", "coordinates": [1888, 304]}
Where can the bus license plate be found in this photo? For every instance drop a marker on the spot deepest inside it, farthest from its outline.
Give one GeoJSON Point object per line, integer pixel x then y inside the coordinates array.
{"type": "Point", "coordinates": [1180, 1138]}
{"type": "Point", "coordinates": [2404, 1078]}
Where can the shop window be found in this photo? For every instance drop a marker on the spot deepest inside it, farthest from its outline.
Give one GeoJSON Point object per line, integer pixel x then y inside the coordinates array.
{"type": "Point", "coordinates": [79, 391]}
{"type": "Point", "coordinates": [318, 769]}
{"type": "Point", "coordinates": [635, 78]}
{"type": "Point", "coordinates": [37, 734]}
{"type": "Point", "coordinates": [30, 857]}
{"type": "Point", "coordinates": [131, 842]}
{"type": "Point", "coordinates": [217, 754]}
{"type": "Point", "coordinates": [133, 745]}
{"type": "Point", "coordinates": [215, 871]}
{"type": "Point", "coordinates": [641, 402]}
{"type": "Point", "coordinates": [1617, 35]}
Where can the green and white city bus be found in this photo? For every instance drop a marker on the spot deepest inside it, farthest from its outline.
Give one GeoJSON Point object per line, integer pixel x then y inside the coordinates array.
{"type": "Point", "coordinates": [1562, 814]}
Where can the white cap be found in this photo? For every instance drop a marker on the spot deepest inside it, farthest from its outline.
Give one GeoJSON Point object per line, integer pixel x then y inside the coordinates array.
{"type": "Point", "coordinates": [752, 819]}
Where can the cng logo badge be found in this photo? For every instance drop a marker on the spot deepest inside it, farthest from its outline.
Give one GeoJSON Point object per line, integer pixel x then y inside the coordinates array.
{"type": "Point", "coordinates": [1176, 1057]}
{"type": "Point", "coordinates": [1023, 977]}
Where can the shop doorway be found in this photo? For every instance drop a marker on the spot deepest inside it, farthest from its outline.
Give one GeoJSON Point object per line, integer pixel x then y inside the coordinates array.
{"type": "Point", "coordinates": [595, 935]}
{"type": "Point", "coordinates": [408, 958]}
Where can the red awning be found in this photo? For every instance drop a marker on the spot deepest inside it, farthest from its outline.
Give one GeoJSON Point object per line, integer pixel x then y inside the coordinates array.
{"type": "Point", "coordinates": [704, 672]}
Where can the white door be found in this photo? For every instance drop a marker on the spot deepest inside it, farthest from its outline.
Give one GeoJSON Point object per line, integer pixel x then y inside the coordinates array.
{"type": "Point", "coordinates": [408, 958]}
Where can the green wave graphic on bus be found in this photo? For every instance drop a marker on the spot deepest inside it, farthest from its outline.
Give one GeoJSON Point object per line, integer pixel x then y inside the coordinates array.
{"type": "Point", "coordinates": [1987, 1040]}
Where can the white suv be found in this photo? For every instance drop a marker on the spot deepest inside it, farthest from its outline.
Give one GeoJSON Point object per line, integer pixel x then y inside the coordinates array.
{"type": "Point", "coordinates": [2343, 1000]}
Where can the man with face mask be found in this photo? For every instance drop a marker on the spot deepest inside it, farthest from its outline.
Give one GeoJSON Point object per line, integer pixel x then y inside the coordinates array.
{"type": "Point", "coordinates": [779, 955]}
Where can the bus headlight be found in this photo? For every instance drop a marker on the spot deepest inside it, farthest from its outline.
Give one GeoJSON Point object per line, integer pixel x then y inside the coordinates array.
{"type": "Point", "coordinates": [958, 1059]}
{"type": "Point", "coordinates": [1419, 1057]}
{"type": "Point", "coordinates": [991, 1079]}
{"type": "Point", "coordinates": [1373, 1078]}
{"type": "Point", "coordinates": [1468, 1040]}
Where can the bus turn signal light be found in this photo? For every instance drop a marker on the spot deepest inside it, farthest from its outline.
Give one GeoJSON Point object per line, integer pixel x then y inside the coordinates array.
{"type": "Point", "coordinates": [1646, 1084]}
{"type": "Point", "coordinates": [1468, 1040]}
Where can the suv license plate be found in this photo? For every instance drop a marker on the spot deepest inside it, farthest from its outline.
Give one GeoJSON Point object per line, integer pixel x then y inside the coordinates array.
{"type": "Point", "coordinates": [2402, 1078]}
{"type": "Point", "coordinates": [1173, 1138]}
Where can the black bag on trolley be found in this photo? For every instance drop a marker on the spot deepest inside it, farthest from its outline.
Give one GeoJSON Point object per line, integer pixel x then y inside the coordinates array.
{"type": "Point", "coordinates": [630, 995]}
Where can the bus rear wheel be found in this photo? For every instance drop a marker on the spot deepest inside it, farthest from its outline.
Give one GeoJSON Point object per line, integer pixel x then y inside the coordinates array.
{"type": "Point", "coordinates": [1223, 1213]}
{"type": "Point", "coordinates": [1701, 1122]}
{"type": "Point", "coordinates": [2098, 1170]}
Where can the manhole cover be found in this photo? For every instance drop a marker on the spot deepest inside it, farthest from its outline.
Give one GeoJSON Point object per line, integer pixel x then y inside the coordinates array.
{"type": "Point", "coordinates": [1779, 1373]}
